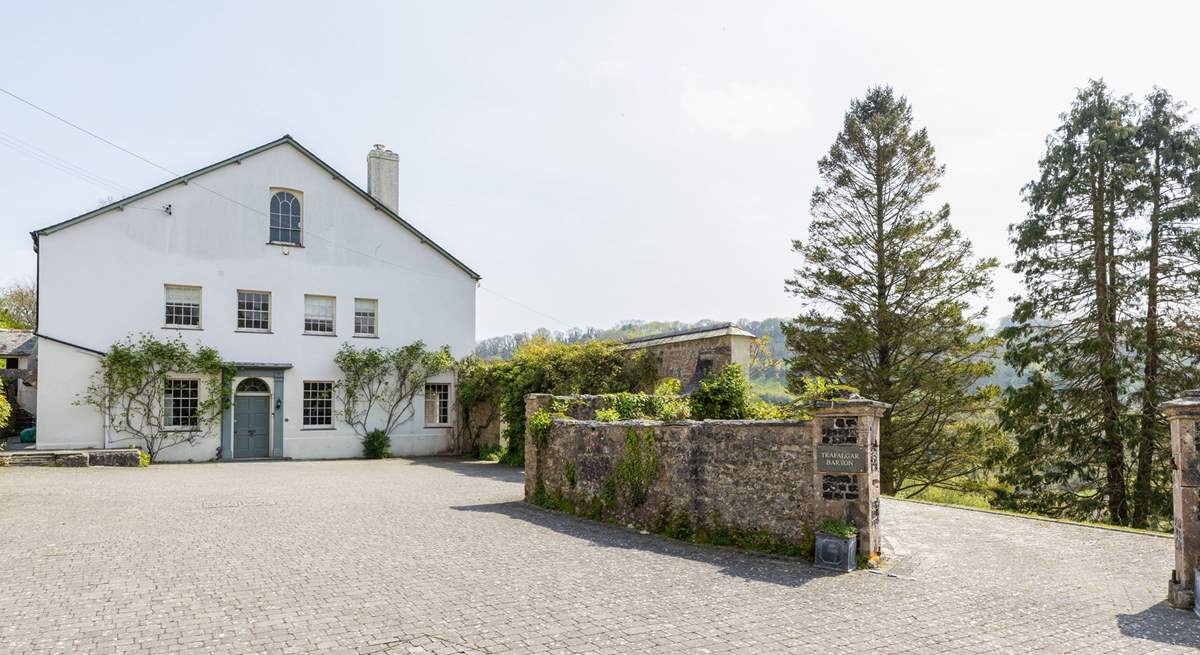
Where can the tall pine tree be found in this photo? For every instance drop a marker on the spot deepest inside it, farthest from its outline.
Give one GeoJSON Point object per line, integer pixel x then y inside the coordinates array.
{"type": "Point", "coordinates": [1106, 330]}
{"type": "Point", "coordinates": [888, 284]}
{"type": "Point", "coordinates": [1169, 174]}
{"type": "Point", "coordinates": [1074, 254]}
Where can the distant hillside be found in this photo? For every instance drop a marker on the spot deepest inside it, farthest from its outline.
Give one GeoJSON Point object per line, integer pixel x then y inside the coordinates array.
{"type": "Point", "coordinates": [502, 347]}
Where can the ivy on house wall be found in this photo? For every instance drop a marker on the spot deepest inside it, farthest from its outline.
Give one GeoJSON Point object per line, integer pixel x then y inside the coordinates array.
{"type": "Point", "coordinates": [541, 366]}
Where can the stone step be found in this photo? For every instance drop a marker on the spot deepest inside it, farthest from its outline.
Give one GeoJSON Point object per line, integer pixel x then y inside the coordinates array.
{"type": "Point", "coordinates": [28, 459]}
{"type": "Point", "coordinates": [70, 458]}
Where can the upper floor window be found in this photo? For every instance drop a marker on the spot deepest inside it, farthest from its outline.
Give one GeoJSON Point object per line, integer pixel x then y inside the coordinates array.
{"type": "Point", "coordinates": [319, 313]}
{"type": "Point", "coordinates": [254, 310]}
{"type": "Point", "coordinates": [365, 312]}
{"type": "Point", "coordinates": [285, 217]}
{"type": "Point", "coordinates": [182, 306]}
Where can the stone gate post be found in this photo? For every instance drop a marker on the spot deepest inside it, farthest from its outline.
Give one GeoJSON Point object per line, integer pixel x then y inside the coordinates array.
{"type": "Point", "coordinates": [534, 403]}
{"type": "Point", "coordinates": [1183, 414]}
{"type": "Point", "coordinates": [846, 468]}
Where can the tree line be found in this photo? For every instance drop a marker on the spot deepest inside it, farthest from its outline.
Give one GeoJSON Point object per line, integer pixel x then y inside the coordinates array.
{"type": "Point", "coordinates": [18, 305]}
{"type": "Point", "coordinates": [1104, 330]}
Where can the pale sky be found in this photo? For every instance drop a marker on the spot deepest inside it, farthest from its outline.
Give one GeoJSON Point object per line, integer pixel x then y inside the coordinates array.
{"type": "Point", "coordinates": [595, 161]}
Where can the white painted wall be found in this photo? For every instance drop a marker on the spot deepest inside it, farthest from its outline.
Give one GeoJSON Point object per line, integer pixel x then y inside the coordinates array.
{"type": "Point", "coordinates": [102, 279]}
{"type": "Point", "coordinates": [740, 347]}
{"type": "Point", "coordinates": [63, 375]}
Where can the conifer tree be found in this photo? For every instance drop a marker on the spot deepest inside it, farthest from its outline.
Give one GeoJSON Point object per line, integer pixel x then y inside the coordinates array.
{"type": "Point", "coordinates": [888, 283]}
{"type": "Point", "coordinates": [1074, 254]}
{"type": "Point", "coordinates": [1169, 281]}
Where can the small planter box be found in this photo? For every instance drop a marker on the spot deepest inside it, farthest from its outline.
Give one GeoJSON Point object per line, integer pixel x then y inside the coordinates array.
{"type": "Point", "coordinates": [835, 553]}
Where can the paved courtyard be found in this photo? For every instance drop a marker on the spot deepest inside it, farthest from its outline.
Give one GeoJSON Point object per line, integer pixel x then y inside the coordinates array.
{"type": "Point", "coordinates": [439, 556]}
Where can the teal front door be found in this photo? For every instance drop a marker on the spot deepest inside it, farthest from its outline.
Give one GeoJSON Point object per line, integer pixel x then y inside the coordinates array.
{"type": "Point", "coordinates": [251, 415]}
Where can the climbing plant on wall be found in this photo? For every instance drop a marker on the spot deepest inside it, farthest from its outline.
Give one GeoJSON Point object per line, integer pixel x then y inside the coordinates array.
{"type": "Point", "coordinates": [379, 385]}
{"type": "Point", "coordinates": [160, 393]}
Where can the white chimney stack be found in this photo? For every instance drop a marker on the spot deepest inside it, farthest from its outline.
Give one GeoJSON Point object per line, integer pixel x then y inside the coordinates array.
{"type": "Point", "coordinates": [383, 176]}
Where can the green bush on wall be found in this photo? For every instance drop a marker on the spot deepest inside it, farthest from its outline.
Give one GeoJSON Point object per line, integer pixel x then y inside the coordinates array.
{"type": "Point", "coordinates": [539, 427]}
{"type": "Point", "coordinates": [722, 395]}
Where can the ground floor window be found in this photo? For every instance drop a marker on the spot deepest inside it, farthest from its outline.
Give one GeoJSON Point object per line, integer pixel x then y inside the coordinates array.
{"type": "Point", "coordinates": [318, 404]}
{"type": "Point", "coordinates": [437, 404]}
{"type": "Point", "coordinates": [181, 399]}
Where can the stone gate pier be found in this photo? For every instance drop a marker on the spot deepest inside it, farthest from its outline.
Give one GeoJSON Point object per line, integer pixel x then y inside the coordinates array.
{"type": "Point", "coordinates": [1183, 413]}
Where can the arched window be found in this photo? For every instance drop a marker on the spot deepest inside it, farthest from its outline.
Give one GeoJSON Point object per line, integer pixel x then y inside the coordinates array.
{"type": "Point", "coordinates": [285, 218]}
{"type": "Point", "coordinates": [252, 385]}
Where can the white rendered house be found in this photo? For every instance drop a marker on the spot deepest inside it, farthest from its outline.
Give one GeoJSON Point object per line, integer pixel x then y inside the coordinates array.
{"type": "Point", "coordinates": [274, 259]}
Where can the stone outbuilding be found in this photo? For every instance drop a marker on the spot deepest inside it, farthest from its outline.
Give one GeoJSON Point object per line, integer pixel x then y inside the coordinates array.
{"type": "Point", "coordinates": [689, 355]}
{"type": "Point", "coordinates": [18, 353]}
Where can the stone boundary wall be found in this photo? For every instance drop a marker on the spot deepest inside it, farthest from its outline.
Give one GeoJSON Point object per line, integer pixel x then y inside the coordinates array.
{"type": "Point", "coordinates": [478, 425]}
{"type": "Point", "coordinates": [767, 479]}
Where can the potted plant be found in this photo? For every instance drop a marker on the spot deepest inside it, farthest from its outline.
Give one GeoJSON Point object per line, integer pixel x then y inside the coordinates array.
{"type": "Point", "coordinates": [837, 546]}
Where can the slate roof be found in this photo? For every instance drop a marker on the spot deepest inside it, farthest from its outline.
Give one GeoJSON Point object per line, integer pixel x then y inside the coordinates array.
{"type": "Point", "coordinates": [706, 332]}
{"type": "Point", "coordinates": [17, 343]}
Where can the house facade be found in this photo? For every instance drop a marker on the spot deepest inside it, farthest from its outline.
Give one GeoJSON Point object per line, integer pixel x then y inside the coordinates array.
{"type": "Point", "coordinates": [274, 259]}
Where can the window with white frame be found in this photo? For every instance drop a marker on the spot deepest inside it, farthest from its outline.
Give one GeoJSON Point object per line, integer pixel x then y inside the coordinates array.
{"type": "Point", "coordinates": [366, 311]}
{"type": "Point", "coordinates": [437, 404]}
{"type": "Point", "coordinates": [182, 307]}
{"type": "Point", "coordinates": [254, 310]}
{"type": "Point", "coordinates": [319, 313]}
{"type": "Point", "coordinates": [318, 404]}
{"type": "Point", "coordinates": [181, 399]}
{"type": "Point", "coordinates": [285, 218]}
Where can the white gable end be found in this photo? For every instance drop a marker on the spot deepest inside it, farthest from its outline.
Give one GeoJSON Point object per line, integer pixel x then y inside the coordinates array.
{"type": "Point", "coordinates": [218, 227]}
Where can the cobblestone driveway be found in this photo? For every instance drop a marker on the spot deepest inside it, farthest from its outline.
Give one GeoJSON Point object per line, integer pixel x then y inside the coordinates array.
{"type": "Point", "coordinates": [439, 556]}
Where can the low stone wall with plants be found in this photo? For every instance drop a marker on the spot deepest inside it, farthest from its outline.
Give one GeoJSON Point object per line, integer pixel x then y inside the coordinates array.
{"type": "Point", "coordinates": [753, 484]}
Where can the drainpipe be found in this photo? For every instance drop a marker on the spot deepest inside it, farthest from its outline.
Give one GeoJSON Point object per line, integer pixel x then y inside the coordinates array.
{"type": "Point", "coordinates": [104, 417]}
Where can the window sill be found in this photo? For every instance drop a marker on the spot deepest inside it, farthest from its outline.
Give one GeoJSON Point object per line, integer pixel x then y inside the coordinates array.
{"type": "Point", "coordinates": [318, 428]}
{"type": "Point", "coordinates": [182, 327]}
{"type": "Point", "coordinates": [319, 334]}
{"type": "Point", "coordinates": [181, 429]}
{"type": "Point", "coordinates": [249, 331]}
{"type": "Point", "coordinates": [285, 244]}
{"type": "Point", "coordinates": [439, 426]}
{"type": "Point", "coordinates": [366, 336]}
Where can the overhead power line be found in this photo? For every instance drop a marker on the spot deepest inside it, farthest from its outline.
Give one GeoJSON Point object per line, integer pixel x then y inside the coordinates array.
{"type": "Point", "coordinates": [60, 164]}
{"type": "Point", "coordinates": [99, 180]}
{"type": "Point", "coordinates": [81, 129]}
